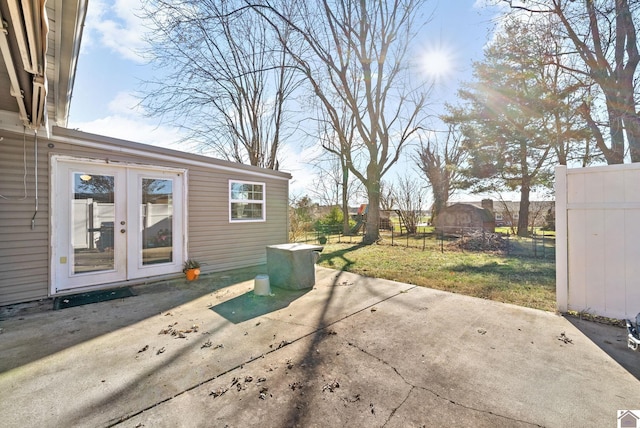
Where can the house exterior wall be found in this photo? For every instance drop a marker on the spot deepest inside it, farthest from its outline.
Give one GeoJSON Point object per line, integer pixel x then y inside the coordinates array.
{"type": "Point", "coordinates": [507, 212]}
{"type": "Point", "coordinates": [464, 217]}
{"type": "Point", "coordinates": [211, 238]}
{"type": "Point", "coordinates": [24, 251]}
{"type": "Point", "coordinates": [598, 240]}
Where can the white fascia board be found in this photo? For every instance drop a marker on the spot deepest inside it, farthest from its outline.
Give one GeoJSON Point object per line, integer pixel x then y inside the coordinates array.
{"type": "Point", "coordinates": [168, 157]}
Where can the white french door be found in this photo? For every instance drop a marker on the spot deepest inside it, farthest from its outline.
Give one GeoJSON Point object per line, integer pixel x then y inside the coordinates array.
{"type": "Point", "coordinates": [113, 223]}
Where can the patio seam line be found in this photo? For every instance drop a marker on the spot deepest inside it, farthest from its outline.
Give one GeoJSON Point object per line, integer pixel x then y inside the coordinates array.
{"type": "Point", "coordinates": [441, 397]}
{"type": "Point", "coordinates": [125, 418]}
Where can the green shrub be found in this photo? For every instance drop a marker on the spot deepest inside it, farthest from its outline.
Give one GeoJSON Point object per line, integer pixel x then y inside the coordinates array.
{"type": "Point", "coordinates": [331, 223]}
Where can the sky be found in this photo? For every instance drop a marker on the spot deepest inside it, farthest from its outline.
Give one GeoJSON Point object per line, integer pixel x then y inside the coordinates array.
{"type": "Point", "coordinates": [110, 72]}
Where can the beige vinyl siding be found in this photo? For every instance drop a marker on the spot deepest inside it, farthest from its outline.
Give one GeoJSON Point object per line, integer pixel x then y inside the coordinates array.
{"type": "Point", "coordinates": [221, 244]}
{"type": "Point", "coordinates": [211, 238]}
{"type": "Point", "coordinates": [24, 252]}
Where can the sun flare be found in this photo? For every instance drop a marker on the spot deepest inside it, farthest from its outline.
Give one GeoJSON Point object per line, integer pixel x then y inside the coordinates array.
{"type": "Point", "coordinates": [437, 62]}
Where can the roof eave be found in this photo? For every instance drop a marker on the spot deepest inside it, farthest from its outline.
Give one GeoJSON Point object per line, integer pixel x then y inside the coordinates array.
{"type": "Point", "coordinates": [69, 22]}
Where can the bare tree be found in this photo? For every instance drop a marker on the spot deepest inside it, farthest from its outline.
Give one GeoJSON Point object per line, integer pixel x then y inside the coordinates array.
{"type": "Point", "coordinates": [355, 52]}
{"type": "Point", "coordinates": [569, 90]}
{"type": "Point", "coordinates": [325, 187]}
{"type": "Point", "coordinates": [228, 81]}
{"type": "Point", "coordinates": [300, 217]}
{"type": "Point", "coordinates": [537, 213]}
{"type": "Point", "coordinates": [408, 196]}
{"type": "Point", "coordinates": [334, 142]}
{"type": "Point", "coordinates": [387, 196]}
{"type": "Point", "coordinates": [604, 36]}
{"type": "Point", "coordinates": [509, 216]}
{"type": "Point", "coordinates": [441, 163]}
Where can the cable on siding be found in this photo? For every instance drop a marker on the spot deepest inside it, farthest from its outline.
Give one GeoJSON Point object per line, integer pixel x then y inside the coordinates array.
{"type": "Point", "coordinates": [35, 172]}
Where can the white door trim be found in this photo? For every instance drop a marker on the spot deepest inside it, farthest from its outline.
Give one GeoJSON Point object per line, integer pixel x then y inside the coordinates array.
{"type": "Point", "coordinates": [127, 190]}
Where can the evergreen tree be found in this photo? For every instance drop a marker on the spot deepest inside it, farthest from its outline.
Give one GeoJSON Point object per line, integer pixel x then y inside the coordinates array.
{"type": "Point", "coordinates": [509, 115]}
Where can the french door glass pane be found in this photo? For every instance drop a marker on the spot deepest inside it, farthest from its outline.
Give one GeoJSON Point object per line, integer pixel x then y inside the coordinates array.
{"type": "Point", "coordinates": [92, 220]}
{"type": "Point", "coordinates": [156, 212]}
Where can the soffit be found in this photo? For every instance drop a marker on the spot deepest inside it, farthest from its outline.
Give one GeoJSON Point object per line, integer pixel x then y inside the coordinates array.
{"type": "Point", "coordinates": [57, 44]}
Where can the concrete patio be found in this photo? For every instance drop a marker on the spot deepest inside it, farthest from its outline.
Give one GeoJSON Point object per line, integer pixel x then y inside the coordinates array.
{"type": "Point", "coordinates": [353, 351]}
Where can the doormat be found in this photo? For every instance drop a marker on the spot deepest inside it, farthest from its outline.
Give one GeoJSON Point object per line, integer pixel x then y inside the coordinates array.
{"type": "Point", "coordinates": [91, 297]}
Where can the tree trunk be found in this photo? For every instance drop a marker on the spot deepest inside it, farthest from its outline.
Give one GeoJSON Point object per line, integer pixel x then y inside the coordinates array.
{"type": "Point", "coordinates": [615, 79]}
{"type": "Point", "coordinates": [632, 126]}
{"type": "Point", "coordinates": [346, 229]}
{"type": "Point", "coordinates": [616, 130]}
{"type": "Point", "coordinates": [439, 204]}
{"type": "Point", "coordinates": [633, 134]}
{"type": "Point", "coordinates": [372, 232]}
{"type": "Point", "coordinates": [523, 215]}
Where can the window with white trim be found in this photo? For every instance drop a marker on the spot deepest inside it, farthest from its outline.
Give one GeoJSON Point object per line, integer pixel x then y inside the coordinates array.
{"type": "Point", "coordinates": [246, 201]}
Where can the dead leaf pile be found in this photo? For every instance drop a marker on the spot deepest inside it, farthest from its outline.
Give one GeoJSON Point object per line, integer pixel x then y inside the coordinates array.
{"type": "Point", "coordinates": [180, 334]}
{"type": "Point", "coordinates": [241, 385]}
{"type": "Point", "coordinates": [281, 344]}
{"type": "Point", "coordinates": [218, 392]}
{"type": "Point", "coordinates": [295, 385]}
{"type": "Point", "coordinates": [331, 386]}
{"type": "Point", "coordinates": [563, 337]}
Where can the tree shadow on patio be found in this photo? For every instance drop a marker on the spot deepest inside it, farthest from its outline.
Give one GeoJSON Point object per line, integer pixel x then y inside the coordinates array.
{"type": "Point", "coordinates": [249, 305]}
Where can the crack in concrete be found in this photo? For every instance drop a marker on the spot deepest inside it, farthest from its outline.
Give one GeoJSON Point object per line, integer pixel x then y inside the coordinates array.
{"type": "Point", "coordinates": [124, 418]}
{"type": "Point", "coordinates": [350, 343]}
{"type": "Point", "coordinates": [436, 394]}
{"type": "Point", "coordinates": [393, 412]}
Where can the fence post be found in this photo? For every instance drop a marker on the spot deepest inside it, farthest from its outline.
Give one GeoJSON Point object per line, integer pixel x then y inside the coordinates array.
{"type": "Point", "coordinates": [561, 249]}
{"type": "Point", "coordinates": [424, 239]}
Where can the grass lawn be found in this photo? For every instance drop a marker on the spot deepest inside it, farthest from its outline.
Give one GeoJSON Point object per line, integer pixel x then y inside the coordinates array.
{"type": "Point", "coordinates": [522, 281]}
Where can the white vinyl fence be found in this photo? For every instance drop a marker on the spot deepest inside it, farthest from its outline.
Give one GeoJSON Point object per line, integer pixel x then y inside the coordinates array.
{"type": "Point", "coordinates": [598, 240]}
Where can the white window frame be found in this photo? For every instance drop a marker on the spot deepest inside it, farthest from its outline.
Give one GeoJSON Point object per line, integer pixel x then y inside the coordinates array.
{"type": "Point", "coordinates": [262, 202]}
